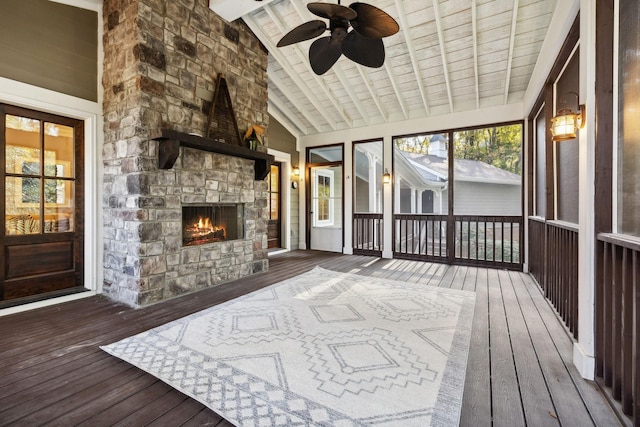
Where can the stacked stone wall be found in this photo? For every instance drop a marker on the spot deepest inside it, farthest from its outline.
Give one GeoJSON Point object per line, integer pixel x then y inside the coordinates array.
{"type": "Point", "coordinates": [162, 58]}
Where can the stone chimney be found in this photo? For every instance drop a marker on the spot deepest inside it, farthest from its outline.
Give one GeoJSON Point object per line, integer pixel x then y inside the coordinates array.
{"type": "Point", "coordinates": [162, 58]}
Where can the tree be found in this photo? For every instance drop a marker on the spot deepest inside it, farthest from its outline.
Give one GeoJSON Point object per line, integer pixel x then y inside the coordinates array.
{"type": "Point", "coordinates": [498, 146]}
{"type": "Point", "coordinates": [413, 144]}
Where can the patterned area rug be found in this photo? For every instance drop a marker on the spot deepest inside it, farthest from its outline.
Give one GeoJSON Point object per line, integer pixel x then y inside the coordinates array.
{"type": "Point", "coordinates": [321, 348]}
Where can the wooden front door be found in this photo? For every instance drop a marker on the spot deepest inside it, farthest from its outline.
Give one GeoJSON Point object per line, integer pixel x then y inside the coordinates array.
{"type": "Point", "coordinates": [274, 226]}
{"type": "Point", "coordinates": [41, 229]}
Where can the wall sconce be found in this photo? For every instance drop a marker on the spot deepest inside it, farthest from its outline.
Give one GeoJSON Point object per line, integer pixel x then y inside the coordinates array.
{"type": "Point", "coordinates": [386, 177]}
{"type": "Point", "coordinates": [295, 174]}
{"type": "Point", "coordinates": [565, 124]}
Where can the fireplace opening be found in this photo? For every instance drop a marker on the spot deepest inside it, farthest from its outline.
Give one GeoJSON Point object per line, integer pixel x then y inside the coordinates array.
{"type": "Point", "coordinates": [212, 223]}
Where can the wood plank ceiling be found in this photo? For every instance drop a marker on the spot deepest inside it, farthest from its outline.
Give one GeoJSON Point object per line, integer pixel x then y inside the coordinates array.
{"type": "Point", "coordinates": [449, 56]}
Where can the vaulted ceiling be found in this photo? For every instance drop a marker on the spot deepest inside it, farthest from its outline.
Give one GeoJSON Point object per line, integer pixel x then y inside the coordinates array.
{"type": "Point", "coordinates": [449, 56]}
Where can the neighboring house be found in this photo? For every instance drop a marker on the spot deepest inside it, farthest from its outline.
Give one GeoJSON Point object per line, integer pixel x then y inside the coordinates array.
{"type": "Point", "coordinates": [480, 188]}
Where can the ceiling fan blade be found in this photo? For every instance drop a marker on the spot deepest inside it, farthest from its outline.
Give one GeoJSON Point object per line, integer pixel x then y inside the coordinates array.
{"type": "Point", "coordinates": [363, 50]}
{"type": "Point", "coordinates": [373, 22]}
{"type": "Point", "coordinates": [330, 11]}
{"type": "Point", "coordinates": [303, 32]}
{"type": "Point", "coordinates": [323, 53]}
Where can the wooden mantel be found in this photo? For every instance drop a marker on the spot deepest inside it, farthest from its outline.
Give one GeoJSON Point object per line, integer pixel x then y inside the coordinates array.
{"type": "Point", "coordinates": [170, 141]}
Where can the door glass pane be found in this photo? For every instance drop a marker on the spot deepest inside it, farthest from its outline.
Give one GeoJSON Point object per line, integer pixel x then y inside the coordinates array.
{"type": "Point", "coordinates": [22, 150]}
{"type": "Point", "coordinates": [327, 197]}
{"type": "Point", "coordinates": [323, 198]}
{"type": "Point", "coordinates": [58, 205]}
{"type": "Point", "coordinates": [274, 191]}
{"type": "Point", "coordinates": [273, 210]}
{"type": "Point", "coordinates": [58, 141]}
{"type": "Point", "coordinates": [22, 201]}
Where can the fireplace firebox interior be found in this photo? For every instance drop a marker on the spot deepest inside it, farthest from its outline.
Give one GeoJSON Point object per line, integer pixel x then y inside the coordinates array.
{"type": "Point", "coordinates": [212, 223]}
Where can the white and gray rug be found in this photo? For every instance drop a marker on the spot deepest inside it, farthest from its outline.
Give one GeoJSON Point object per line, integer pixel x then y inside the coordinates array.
{"type": "Point", "coordinates": [322, 348]}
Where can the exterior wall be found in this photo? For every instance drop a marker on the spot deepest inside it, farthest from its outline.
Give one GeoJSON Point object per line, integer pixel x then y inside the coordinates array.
{"type": "Point", "coordinates": [50, 45]}
{"type": "Point", "coordinates": [473, 198]}
{"type": "Point", "coordinates": [162, 58]}
{"type": "Point", "coordinates": [282, 140]}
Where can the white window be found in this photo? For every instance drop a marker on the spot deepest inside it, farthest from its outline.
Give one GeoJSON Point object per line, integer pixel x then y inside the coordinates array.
{"type": "Point", "coordinates": [323, 200]}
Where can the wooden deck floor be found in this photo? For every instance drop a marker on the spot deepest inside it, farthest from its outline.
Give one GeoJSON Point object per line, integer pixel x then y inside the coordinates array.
{"type": "Point", "coordinates": [519, 371]}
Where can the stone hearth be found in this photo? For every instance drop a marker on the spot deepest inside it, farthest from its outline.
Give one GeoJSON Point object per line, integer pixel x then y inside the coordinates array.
{"type": "Point", "coordinates": [162, 58]}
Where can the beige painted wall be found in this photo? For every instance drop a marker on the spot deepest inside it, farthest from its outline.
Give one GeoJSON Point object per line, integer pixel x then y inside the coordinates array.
{"type": "Point", "coordinates": [282, 140]}
{"type": "Point", "coordinates": [50, 45]}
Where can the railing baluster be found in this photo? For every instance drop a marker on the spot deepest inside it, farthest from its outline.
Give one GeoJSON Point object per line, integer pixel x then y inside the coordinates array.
{"type": "Point", "coordinates": [626, 373]}
{"type": "Point", "coordinates": [635, 339]}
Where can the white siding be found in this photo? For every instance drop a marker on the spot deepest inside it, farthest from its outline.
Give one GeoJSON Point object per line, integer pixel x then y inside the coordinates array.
{"type": "Point", "coordinates": [473, 198]}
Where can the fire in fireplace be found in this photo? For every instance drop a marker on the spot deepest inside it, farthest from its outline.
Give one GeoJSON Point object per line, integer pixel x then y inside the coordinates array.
{"type": "Point", "coordinates": [212, 223]}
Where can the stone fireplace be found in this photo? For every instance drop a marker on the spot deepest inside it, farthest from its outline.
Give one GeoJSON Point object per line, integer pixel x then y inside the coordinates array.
{"type": "Point", "coordinates": [162, 58]}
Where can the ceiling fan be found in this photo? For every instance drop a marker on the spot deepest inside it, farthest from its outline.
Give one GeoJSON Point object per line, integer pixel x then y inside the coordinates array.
{"type": "Point", "coordinates": [363, 44]}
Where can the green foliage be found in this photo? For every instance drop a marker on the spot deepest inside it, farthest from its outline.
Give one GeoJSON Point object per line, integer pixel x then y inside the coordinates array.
{"type": "Point", "coordinates": [413, 144]}
{"type": "Point", "coordinates": [497, 146]}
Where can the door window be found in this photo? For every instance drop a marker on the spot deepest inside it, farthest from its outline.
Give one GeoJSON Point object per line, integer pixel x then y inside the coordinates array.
{"type": "Point", "coordinates": [274, 192]}
{"type": "Point", "coordinates": [39, 176]}
{"type": "Point", "coordinates": [323, 198]}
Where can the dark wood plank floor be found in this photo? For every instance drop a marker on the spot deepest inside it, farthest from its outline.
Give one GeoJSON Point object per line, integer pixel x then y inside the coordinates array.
{"type": "Point", "coordinates": [519, 370]}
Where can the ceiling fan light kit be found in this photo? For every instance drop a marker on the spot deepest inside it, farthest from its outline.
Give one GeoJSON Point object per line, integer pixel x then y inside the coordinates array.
{"type": "Point", "coordinates": [355, 31]}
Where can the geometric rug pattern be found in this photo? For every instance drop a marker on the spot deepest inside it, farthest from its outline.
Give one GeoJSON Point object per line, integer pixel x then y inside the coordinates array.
{"type": "Point", "coordinates": [322, 348]}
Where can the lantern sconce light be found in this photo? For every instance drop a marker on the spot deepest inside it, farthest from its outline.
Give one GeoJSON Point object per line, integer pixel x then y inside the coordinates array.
{"type": "Point", "coordinates": [295, 177]}
{"type": "Point", "coordinates": [565, 124]}
{"type": "Point", "coordinates": [386, 177]}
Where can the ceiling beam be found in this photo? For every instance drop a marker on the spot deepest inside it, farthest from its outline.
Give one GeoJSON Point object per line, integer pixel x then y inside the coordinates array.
{"type": "Point", "coordinates": [474, 25]}
{"type": "Point", "coordinates": [281, 86]}
{"type": "Point", "coordinates": [443, 54]}
{"type": "Point", "coordinates": [372, 92]}
{"type": "Point", "coordinates": [514, 23]}
{"type": "Point", "coordinates": [234, 9]}
{"type": "Point", "coordinates": [404, 29]}
{"type": "Point", "coordinates": [278, 56]}
{"type": "Point", "coordinates": [305, 60]}
{"type": "Point", "coordinates": [396, 90]}
{"type": "Point", "coordinates": [283, 119]}
{"type": "Point", "coordinates": [344, 81]}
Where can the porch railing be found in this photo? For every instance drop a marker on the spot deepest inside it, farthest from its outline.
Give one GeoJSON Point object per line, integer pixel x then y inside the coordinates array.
{"type": "Point", "coordinates": [420, 236]}
{"type": "Point", "coordinates": [617, 300]}
{"type": "Point", "coordinates": [489, 240]}
{"type": "Point", "coordinates": [477, 240]}
{"type": "Point", "coordinates": [367, 234]}
{"type": "Point", "coordinates": [553, 262]}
